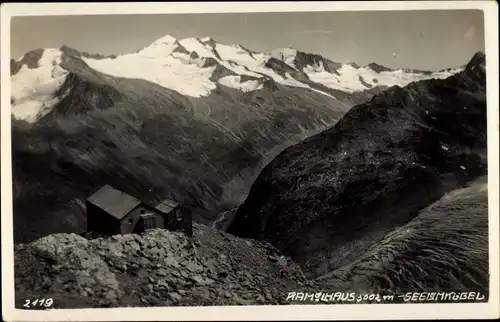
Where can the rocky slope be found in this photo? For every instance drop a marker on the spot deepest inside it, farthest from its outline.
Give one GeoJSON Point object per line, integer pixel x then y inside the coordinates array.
{"type": "Point", "coordinates": [191, 120]}
{"type": "Point", "coordinates": [156, 268]}
{"type": "Point", "coordinates": [444, 248]}
{"type": "Point", "coordinates": [160, 268]}
{"type": "Point", "coordinates": [328, 199]}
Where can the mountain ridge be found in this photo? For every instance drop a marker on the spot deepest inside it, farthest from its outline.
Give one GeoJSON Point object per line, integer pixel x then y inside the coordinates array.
{"type": "Point", "coordinates": [316, 195]}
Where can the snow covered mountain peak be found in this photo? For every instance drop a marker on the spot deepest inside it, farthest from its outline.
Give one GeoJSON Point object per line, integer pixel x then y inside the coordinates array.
{"type": "Point", "coordinates": [161, 47]}
{"type": "Point", "coordinates": [197, 66]}
{"type": "Point", "coordinates": [165, 40]}
{"type": "Point", "coordinates": [36, 79]}
{"type": "Point", "coordinates": [287, 55]}
{"type": "Point", "coordinates": [208, 41]}
{"type": "Point", "coordinates": [377, 67]}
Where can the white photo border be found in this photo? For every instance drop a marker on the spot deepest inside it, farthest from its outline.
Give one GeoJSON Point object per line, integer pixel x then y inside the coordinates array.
{"type": "Point", "coordinates": [247, 313]}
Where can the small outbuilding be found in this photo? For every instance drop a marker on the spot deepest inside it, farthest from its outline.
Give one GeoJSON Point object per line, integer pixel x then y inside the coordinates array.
{"type": "Point", "coordinates": [111, 211]}
{"type": "Point", "coordinates": [176, 217]}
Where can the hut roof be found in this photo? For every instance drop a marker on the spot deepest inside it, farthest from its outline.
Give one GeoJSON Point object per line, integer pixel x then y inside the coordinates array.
{"type": "Point", "coordinates": [167, 206]}
{"type": "Point", "coordinates": [113, 201]}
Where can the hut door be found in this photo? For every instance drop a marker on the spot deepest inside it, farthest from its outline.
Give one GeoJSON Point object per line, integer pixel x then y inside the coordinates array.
{"type": "Point", "coordinates": [175, 221]}
{"type": "Point", "coordinates": [148, 221]}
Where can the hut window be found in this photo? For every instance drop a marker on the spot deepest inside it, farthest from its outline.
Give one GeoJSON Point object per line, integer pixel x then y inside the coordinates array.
{"type": "Point", "coordinates": [130, 221]}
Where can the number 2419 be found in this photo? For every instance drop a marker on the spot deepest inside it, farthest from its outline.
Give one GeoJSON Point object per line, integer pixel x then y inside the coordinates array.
{"type": "Point", "coordinates": [38, 303]}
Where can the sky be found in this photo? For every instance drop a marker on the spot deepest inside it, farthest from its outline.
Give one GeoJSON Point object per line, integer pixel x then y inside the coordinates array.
{"type": "Point", "coordinates": [429, 40]}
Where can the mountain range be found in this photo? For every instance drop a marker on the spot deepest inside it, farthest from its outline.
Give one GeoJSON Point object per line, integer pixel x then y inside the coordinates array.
{"type": "Point", "coordinates": [192, 120]}
{"type": "Point", "coordinates": [303, 174]}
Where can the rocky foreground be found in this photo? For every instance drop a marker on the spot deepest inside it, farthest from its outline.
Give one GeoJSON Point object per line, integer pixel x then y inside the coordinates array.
{"type": "Point", "coordinates": [158, 268]}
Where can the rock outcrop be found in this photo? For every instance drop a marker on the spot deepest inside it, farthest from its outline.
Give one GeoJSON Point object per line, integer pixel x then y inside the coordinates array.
{"type": "Point", "coordinates": [157, 268]}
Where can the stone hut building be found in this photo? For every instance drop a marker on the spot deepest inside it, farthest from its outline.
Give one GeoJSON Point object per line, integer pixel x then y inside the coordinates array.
{"type": "Point", "coordinates": [111, 211]}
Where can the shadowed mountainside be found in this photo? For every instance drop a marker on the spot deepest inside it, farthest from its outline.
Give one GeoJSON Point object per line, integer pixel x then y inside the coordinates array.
{"type": "Point", "coordinates": [151, 142]}
{"type": "Point", "coordinates": [331, 197]}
